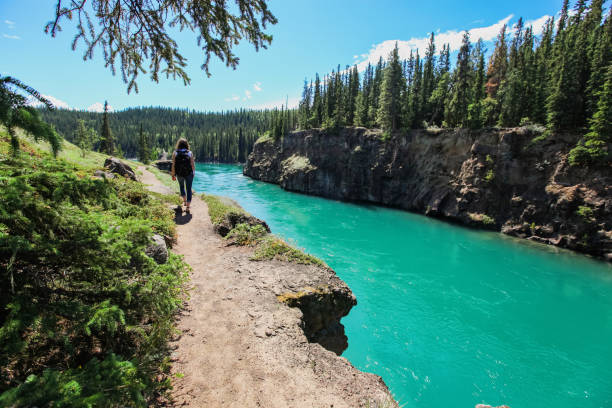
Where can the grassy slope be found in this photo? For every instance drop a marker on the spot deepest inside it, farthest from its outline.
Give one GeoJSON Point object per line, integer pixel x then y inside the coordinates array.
{"type": "Point", "coordinates": [85, 315]}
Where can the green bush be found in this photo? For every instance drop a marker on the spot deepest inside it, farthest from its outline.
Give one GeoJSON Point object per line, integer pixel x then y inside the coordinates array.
{"type": "Point", "coordinates": [85, 314]}
{"type": "Point", "coordinates": [245, 234]}
{"type": "Point", "coordinates": [589, 152]}
{"type": "Point", "coordinates": [585, 212]}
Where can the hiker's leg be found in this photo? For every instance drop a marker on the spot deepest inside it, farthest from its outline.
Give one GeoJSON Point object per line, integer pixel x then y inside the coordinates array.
{"type": "Point", "coordinates": [189, 183]}
{"type": "Point", "coordinates": [181, 181]}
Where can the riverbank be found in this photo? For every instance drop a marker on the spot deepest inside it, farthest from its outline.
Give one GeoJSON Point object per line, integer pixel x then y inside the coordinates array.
{"type": "Point", "coordinates": [239, 345]}
{"type": "Point", "coordinates": [508, 180]}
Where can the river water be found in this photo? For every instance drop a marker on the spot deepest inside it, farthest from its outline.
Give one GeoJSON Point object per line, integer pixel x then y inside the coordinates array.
{"type": "Point", "coordinates": [448, 316]}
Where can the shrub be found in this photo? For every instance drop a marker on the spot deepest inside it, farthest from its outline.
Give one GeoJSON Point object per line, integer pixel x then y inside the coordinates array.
{"type": "Point", "coordinates": [490, 176]}
{"type": "Point", "coordinates": [85, 315]}
{"type": "Point", "coordinates": [585, 212]}
{"type": "Point", "coordinates": [245, 234]}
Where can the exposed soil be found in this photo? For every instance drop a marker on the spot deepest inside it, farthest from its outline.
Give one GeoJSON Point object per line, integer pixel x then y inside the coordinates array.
{"type": "Point", "coordinates": [239, 345]}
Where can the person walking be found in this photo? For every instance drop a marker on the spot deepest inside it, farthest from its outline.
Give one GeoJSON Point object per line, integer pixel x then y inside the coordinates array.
{"type": "Point", "coordinates": [183, 169]}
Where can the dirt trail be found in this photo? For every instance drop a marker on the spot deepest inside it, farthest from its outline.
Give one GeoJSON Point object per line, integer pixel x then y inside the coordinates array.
{"type": "Point", "coordinates": [241, 347]}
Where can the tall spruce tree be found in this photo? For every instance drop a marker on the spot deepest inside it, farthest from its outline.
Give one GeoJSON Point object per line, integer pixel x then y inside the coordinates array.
{"type": "Point", "coordinates": [498, 63]}
{"type": "Point", "coordinates": [389, 106]}
{"type": "Point", "coordinates": [429, 80]}
{"type": "Point", "coordinates": [317, 104]}
{"type": "Point", "coordinates": [457, 110]}
{"type": "Point", "coordinates": [144, 151]}
{"type": "Point", "coordinates": [107, 144]}
{"type": "Point", "coordinates": [84, 137]}
{"type": "Point", "coordinates": [304, 107]}
{"type": "Point", "coordinates": [475, 109]}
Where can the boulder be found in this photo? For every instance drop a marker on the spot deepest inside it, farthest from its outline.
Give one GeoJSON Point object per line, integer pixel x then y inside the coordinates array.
{"type": "Point", "coordinates": [103, 174]}
{"type": "Point", "coordinates": [233, 218]}
{"type": "Point", "coordinates": [164, 165]}
{"type": "Point", "coordinates": [157, 249]}
{"type": "Point", "coordinates": [116, 166]}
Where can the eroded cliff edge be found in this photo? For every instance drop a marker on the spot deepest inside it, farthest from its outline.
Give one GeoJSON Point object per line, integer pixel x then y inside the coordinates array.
{"type": "Point", "coordinates": [497, 179]}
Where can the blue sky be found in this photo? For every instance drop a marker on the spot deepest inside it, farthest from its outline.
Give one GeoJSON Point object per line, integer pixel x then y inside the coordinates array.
{"type": "Point", "coordinates": [311, 36]}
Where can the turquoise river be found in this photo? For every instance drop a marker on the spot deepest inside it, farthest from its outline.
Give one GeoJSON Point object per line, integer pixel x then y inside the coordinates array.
{"type": "Point", "coordinates": [449, 316]}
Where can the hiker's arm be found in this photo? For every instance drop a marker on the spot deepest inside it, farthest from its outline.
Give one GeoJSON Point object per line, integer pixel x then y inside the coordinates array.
{"type": "Point", "coordinates": [173, 161]}
{"type": "Point", "coordinates": [193, 163]}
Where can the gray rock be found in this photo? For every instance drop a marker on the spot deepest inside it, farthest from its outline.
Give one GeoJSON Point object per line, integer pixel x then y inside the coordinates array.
{"type": "Point", "coordinates": [104, 174]}
{"type": "Point", "coordinates": [157, 249]}
{"type": "Point", "coordinates": [116, 166]}
{"type": "Point", "coordinates": [164, 165]}
{"type": "Point", "coordinates": [458, 174]}
{"type": "Point", "coordinates": [232, 219]}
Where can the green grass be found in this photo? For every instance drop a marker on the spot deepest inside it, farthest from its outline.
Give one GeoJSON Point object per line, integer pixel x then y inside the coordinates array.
{"type": "Point", "coordinates": [217, 209]}
{"type": "Point", "coordinates": [271, 247]}
{"type": "Point", "coordinates": [266, 137]}
{"type": "Point", "coordinates": [267, 246]}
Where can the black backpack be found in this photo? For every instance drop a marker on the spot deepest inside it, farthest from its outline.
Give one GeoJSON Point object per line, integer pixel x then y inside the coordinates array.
{"type": "Point", "coordinates": [182, 163]}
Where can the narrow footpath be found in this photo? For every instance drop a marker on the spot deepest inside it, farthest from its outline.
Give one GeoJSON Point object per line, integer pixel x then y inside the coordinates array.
{"type": "Point", "coordinates": [239, 346]}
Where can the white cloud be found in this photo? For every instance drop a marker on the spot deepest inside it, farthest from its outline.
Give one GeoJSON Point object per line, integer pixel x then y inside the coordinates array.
{"type": "Point", "coordinates": [233, 98]}
{"type": "Point", "coordinates": [247, 95]}
{"type": "Point", "coordinates": [58, 103]}
{"type": "Point", "coordinates": [537, 24]}
{"type": "Point", "coordinates": [451, 37]}
{"type": "Point", "coordinates": [257, 86]}
{"type": "Point", "coordinates": [9, 23]}
{"type": "Point", "coordinates": [292, 103]}
{"type": "Point", "coordinates": [99, 107]}
{"type": "Point", "coordinates": [11, 37]}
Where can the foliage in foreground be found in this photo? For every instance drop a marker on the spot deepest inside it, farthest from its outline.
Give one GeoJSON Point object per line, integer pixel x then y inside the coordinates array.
{"type": "Point", "coordinates": [17, 113]}
{"type": "Point", "coordinates": [85, 314]}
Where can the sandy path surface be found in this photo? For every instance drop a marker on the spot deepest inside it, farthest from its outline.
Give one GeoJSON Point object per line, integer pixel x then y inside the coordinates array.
{"type": "Point", "coordinates": [239, 346]}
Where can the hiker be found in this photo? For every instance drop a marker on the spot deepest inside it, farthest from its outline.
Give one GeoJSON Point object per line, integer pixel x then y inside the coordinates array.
{"type": "Point", "coordinates": [183, 169]}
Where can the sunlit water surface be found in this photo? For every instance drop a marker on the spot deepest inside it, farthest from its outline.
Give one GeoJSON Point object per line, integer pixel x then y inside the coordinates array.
{"type": "Point", "coordinates": [448, 316]}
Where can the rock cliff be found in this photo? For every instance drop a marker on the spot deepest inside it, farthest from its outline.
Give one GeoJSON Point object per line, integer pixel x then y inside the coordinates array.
{"type": "Point", "coordinates": [500, 179]}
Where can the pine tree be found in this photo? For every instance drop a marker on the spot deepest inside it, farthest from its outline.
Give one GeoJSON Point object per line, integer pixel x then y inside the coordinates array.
{"type": "Point", "coordinates": [375, 93]}
{"type": "Point", "coordinates": [438, 99]}
{"type": "Point", "coordinates": [144, 151]}
{"type": "Point", "coordinates": [457, 108]}
{"type": "Point", "coordinates": [540, 86]}
{"type": "Point", "coordinates": [475, 109]}
{"type": "Point", "coordinates": [428, 83]}
{"type": "Point", "coordinates": [107, 144]}
{"type": "Point", "coordinates": [317, 104]}
{"type": "Point", "coordinates": [361, 104]}
{"type": "Point", "coordinates": [600, 52]}
{"type": "Point", "coordinates": [498, 64]}
{"type": "Point", "coordinates": [389, 107]}
{"type": "Point", "coordinates": [414, 103]}
{"type": "Point", "coordinates": [593, 149]}
{"type": "Point", "coordinates": [84, 138]}
{"type": "Point", "coordinates": [352, 95]}
{"type": "Point", "coordinates": [304, 107]}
